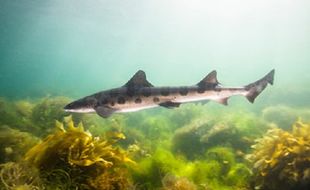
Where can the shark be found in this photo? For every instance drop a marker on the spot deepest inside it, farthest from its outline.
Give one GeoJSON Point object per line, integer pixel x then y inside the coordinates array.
{"type": "Point", "coordinates": [139, 94]}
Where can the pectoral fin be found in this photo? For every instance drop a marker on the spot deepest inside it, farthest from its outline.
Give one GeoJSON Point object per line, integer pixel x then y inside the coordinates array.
{"type": "Point", "coordinates": [104, 111]}
{"type": "Point", "coordinates": [222, 101]}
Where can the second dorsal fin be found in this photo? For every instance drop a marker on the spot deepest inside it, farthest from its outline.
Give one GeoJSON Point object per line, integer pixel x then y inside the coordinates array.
{"type": "Point", "coordinates": [209, 80]}
{"type": "Point", "coordinates": [138, 80]}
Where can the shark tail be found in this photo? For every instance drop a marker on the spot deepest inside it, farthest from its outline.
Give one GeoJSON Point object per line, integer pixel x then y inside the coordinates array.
{"type": "Point", "coordinates": [254, 89]}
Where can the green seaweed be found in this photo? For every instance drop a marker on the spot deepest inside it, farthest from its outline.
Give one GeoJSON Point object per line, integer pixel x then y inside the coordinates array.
{"type": "Point", "coordinates": [151, 169]}
{"type": "Point", "coordinates": [47, 111]}
{"type": "Point", "coordinates": [14, 144]}
{"type": "Point", "coordinates": [223, 155]}
{"type": "Point", "coordinates": [284, 116]}
{"type": "Point", "coordinates": [206, 171]}
{"type": "Point", "coordinates": [16, 115]}
{"type": "Point", "coordinates": [238, 175]}
{"type": "Point", "coordinates": [186, 140]}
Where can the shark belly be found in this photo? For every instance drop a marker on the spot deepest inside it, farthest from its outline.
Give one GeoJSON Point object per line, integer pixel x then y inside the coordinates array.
{"type": "Point", "coordinates": [135, 108]}
{"type": "Point", "coordinates": [219, 95]}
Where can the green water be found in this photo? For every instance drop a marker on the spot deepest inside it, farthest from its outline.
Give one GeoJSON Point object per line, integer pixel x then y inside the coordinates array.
{"type": "Point", "coordinates": [73, 48]}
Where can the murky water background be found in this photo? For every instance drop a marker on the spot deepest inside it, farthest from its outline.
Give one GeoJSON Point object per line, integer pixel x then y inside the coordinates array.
{"type": "Point", "coordinates": [74, 48]}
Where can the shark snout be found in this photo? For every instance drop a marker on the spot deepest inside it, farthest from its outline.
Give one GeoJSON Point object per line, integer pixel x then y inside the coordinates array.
{"type": "Point", "coordinates": [68, 106]}
{"type": "Point", "coordinates": [79, 106]}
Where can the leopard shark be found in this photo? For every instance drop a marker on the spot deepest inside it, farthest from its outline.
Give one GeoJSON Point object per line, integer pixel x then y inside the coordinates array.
{"type": "Point", "coordinates": [139, 94]}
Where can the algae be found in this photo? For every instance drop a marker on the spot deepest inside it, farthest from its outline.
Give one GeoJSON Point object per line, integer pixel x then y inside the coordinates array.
{"type": "Point", "coordinates": [14, 144]}
{"type": "Point", "coordinates": [201, 150]}
{"type": "Point", "coordinates": [19, 176]}
{"type": "Point", "coordinates": [281, 159]}
{"type": "Point", "coordinates": [78, 157]}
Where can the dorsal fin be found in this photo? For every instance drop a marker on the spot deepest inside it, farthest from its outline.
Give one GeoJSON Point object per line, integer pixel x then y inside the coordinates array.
{"type": "Point", "coordinates": [209, 80]}
{"type": "Point", "coordinates": [138, 80]}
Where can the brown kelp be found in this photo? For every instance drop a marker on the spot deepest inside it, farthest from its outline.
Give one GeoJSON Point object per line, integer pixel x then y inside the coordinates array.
{"type": "Point", "coordinates": [76, 159]}
{"type": "Point", "coordinates": [281, 159]}
{"type": "Point", "coordinates": [171, 182]}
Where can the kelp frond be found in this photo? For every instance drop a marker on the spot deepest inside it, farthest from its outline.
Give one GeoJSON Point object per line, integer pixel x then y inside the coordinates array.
{"type": "Point", "coordinates": [76, 146]}
{"type": "Point", "coordinates": [281, 158]}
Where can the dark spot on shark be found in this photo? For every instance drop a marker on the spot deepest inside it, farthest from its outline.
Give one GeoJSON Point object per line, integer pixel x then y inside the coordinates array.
{"type": "Point", "coordinates": [201, 90]}
{"type": "Point", "coordinates": [121, 100]}
{"type": "Point", "coordinates": [138, 100]}
{"type": "Point", "coordinates": [112, 103]}
{"type": "Point", "coordinates": [183, 91]}
{"type": "Point", "coordinates": [217, 89]}
{"type": "Point", "coordinates": [155, 99]}
{"type": "Point", "coordinates": [104, 101]}
{"type": "Point", "coordinates": [146, 92]}
{"type": "Point", "coordinates": [165, 92]}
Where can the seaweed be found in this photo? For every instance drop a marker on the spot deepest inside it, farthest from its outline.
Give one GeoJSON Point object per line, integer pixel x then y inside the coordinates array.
{"type": "Point", "coordinates": [284, 116]}
{"type": "Point", "coordinates": [235, 131]}
{"type": "Point", "coordinates": [238, 175]}
{"type": "Point", "coordinates": [110, 180]}
{"type": "Point", "coordinates": [76, 159]}
{"type": "Point", "coordinates": [16, 115]}
{"type": "Point", "coordinates": [223, 155]}
{"type": "Point", "coordinates": [281, 159]}
{"type": "Point", "coordinates": [19, 176]}
{"type": "Point", "coordinates": [172, 182]}
{"type": "Point", "coordinates": [186, 140]}
{"type": "Point", "coordinates": [14, 144]}
{"type": "Point", "coordinates": [206, 171]}
{"type": "Point", "coordinates": [150, 169]}
{"type": "Point", "coordinates": [46, 111]}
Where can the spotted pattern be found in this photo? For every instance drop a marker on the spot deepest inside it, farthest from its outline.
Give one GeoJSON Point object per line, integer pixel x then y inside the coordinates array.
{"type": "Point", "coordinates": [146, 92]}
{"type": "Point", "coordinates": [112, 103]}
{"type": "Point", "coordinates": [183, 91]}
{"type": "Point", "coordinates": [138, 100]}
{"type": "Point", "coordinates": [217, 89]}
{"type": "Point", "coordinates": [121, 100]}
{"type": "Point", "coordinates": [165, 92]}
{"type": "Point", "coordinates": [155, 99]}
{"type": "Point", "coordinates": [201, 90]}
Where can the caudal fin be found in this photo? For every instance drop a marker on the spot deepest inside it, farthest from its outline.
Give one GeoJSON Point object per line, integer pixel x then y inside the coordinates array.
{"type": "Point", "coordinates": [254, 89]}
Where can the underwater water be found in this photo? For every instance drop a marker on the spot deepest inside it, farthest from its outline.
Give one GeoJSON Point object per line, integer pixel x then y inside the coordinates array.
{"type": "Point", "coordinates": [54, 52]}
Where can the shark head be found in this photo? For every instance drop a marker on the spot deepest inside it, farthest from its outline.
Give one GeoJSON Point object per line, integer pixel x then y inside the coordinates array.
{"type": "Point", "coordinates": [84, 105]}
